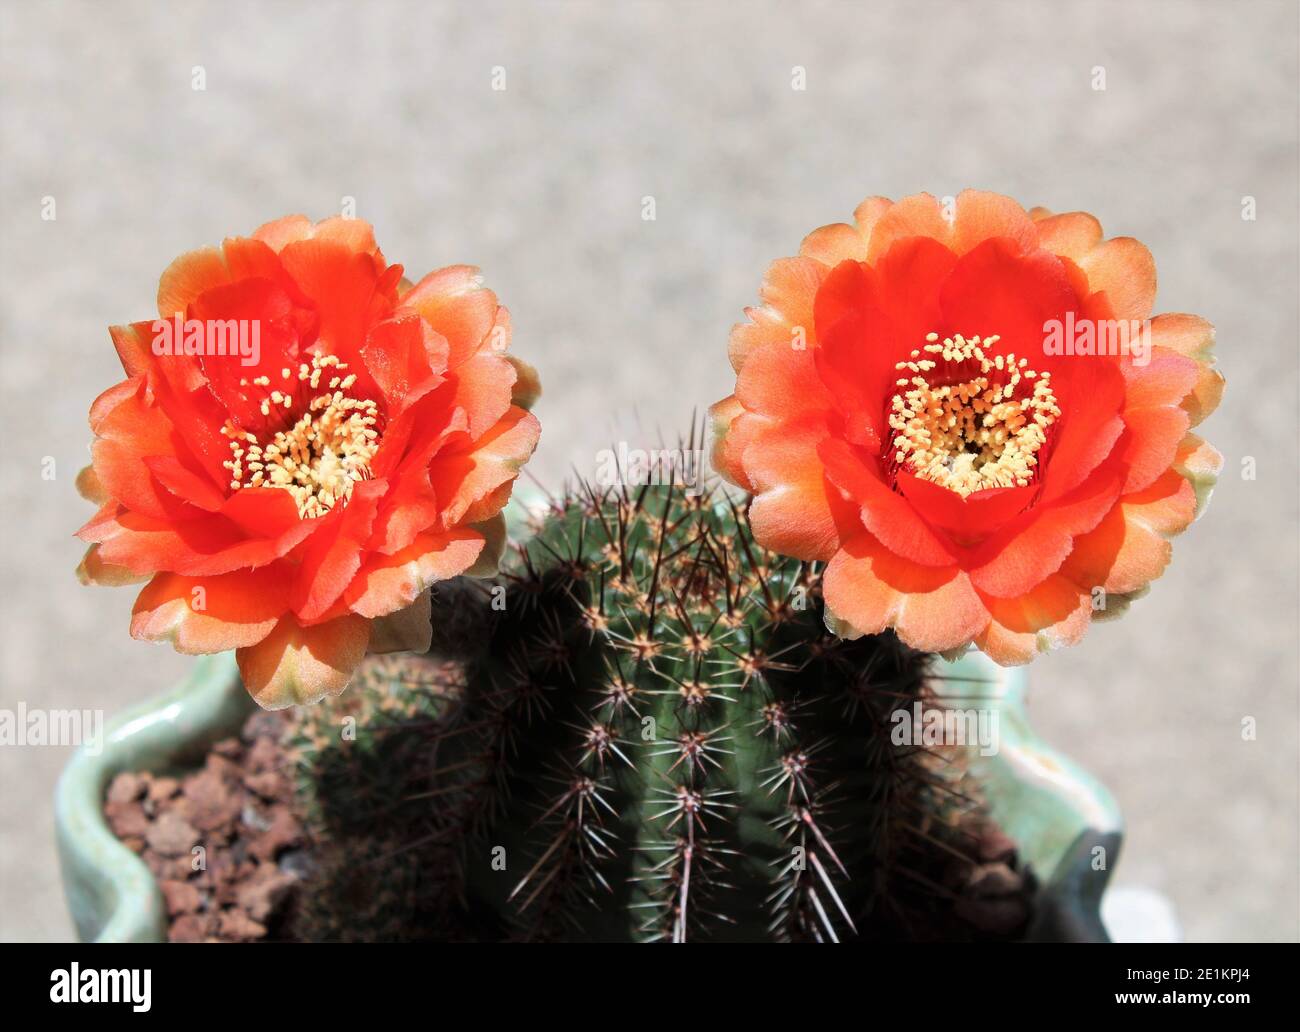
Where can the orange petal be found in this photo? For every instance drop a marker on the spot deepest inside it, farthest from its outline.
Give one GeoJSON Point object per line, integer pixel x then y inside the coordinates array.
{"type": "Point", "coordinates": [833, 244]}
{"type": "Point", "coordinates": [1055, 614]}
{"type": "Point", "coordinates": [1192, 336]}
{"type": "Point", "coordinates": [89, 486]}
{"type": "Point", "coordinates": [1165, 378]}
{"type": "Point", "coordinates": [867, 214]}
{"type": "Point", "coordinates": [355, 234]}
{"type": "Point", "coordinates": [93, 570]}
{"type": "Point", "coordinates": [461, 478]}
{"type": "Point", "coordinates": [1124, 269]}
{"type": "Point", "coordinates": [457, 305]}
{"type": "Point", "coordinates": [199, 615]}
{"type": "Point", "coordinates": [982, 215]}
{"type": "Point", "coordinates": [917, 215]}
{"type": "Point", "coordinates": [781, 382]}
{"type": "Point", "coordinates": [869, 590]}
{"type": "Point", "coordinates": [1150, 442]}
{"type": "Point", "coordinates": [1072, 234]}
{"type": "Point", "coordinates": [733, 429]}
{"type": "Point", "coordinates": [1037, 550]}
{"type": "Point", "coordinates": [1200, 463]}
{"type": "Point", "coordinates": [1128, 549]}
{"type": "Point", "coordinates": [388, 583]}
{"type": "Point", "coordinates": [189, 276]}
{"type": "Point", "coordinates": [294, 665]}
{"type": "Point", "coordinates": [795, 510]}
{"type": "Point", "coordinates": [786, 315]}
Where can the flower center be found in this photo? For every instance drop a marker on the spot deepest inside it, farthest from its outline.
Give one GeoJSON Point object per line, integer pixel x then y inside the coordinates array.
{"type": "Point", "coordinates": [321, 456]}
{"type": "Point", "coordinates": [969, 421]}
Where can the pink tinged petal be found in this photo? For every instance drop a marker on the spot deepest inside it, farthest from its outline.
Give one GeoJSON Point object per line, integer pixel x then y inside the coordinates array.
{"type": "Point", "coordinates": [1200, 463]}
{"type": "Point", "coordinates": [1192, 336]}
{"type": "Point", "coordinates": [1054, 615]}
{"type": "Point", "coordinates": [833, 244]}
{"type": "Point", "coordinates": [1071, 234]}
{"type": "Point", "coordinates": [1124, 270]}
{"type": "Point", "coordinates": [457, 305]}
{"type": "Point", "coordinates": [296, 665]}
{"type": "Point", "coordinates": [93, 570]}
{"type": "Point", "coordinates": [189, 276]}
{"type": "Point", "coordinates": [210, 614]}
{"type": "Point", "coordinates": [283, 231]}
{"type": "Point", "coordinates": [869, 590]}
{"type": "Point", "coordinates": [388, 583]}
{"type": "Point", "coordinates": [733, 429]}
{"type": "Point", "coordinates": [786, 315]}
{"type": "Point", "coordinates": [795, 510]}
{"type": "Point", "coordinates": [89, 486]}
{"type": "Point", "coordinates": [483, 388]}
{"type": "Point", "coordinates": [981, 215]}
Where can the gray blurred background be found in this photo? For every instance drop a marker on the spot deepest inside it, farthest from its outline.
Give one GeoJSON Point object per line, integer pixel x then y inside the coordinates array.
{"type": "Point", "coordinates": [542, 185]}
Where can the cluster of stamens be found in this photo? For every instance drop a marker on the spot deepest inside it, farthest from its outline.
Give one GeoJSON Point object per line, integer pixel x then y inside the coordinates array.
{"type": "Point", "coordinates": [981, 428]}
{"type": "Point", "coordinates": [324, 453]}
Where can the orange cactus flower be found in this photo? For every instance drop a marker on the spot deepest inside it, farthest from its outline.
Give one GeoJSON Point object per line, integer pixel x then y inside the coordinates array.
{"type": "Point", "coordinates": [967, 412]}
{"type": "Point", "coordinates": [304, 443]}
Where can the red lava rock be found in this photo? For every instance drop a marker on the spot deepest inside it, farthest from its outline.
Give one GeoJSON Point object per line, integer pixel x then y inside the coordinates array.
{"type": "Point", "coordinates": [263, 755]}
{"type": "Point", "coordinates": [125, 788]}
{"type": "Point", "coordinates": [190, 928]}
{"type": "Point", "coordinates": [237, 925]}
{"type": "Point", "coordinates": [269, 784]}
{"type": "Point", "coordinates": [182, 897]}
{"type": "Point", "coordinates": [262, 894]}
{"type": "Point", "coordinates": [128, 820]}
{"type": "Point", "coordinates": [283, 833]}
{"type": "Point", "coordinates": [163, 789]}
{"type": "Point", "coordinates": [212, 802]}
{"type": "Point", "coordinates": [229, 748]}
{"type": "Point", "coordinates": [230, 880]}
{"type": "Point", "coordinates": [171, 835]}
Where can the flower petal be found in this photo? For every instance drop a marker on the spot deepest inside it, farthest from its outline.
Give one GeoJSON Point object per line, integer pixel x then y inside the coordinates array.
{"type": "Point", "coordinates": [933, 609]}
{"type": "Point", "coordinates": [200, 615]}
{"type": "Point", "coordinates": [387, 583]}
{"type": "Point", "coordinates": [407, 630]}
{"type": "Point", "coordinates": [294, 665]}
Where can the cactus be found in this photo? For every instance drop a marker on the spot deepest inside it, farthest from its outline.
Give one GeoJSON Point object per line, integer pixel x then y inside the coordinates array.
{"type": "Point", "coordinates": [644, 732]}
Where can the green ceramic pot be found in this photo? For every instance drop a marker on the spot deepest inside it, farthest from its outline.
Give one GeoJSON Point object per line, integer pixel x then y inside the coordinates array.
{"type": "Point", "coordinates": [1065, 823]}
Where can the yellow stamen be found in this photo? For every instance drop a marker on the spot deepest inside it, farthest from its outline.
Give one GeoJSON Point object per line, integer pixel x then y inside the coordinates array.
{"type": "Point", "coordinates": [975, 433]}
{"type": "Point", "coordinates": [319, 458]}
